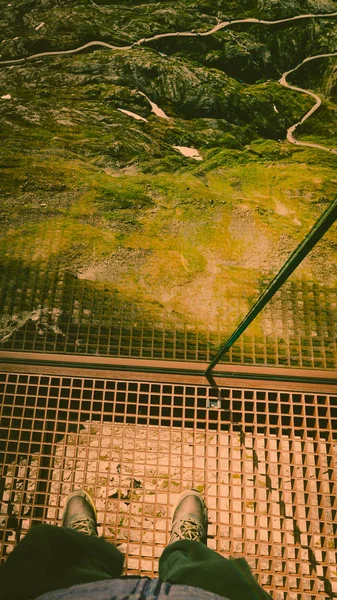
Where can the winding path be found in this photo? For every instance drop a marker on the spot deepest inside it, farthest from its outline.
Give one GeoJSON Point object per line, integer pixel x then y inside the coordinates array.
{"type": "Point", "coordinates": [224, 24]}
{"type": "Point", "coordinates": [283, 81]}
{"type": "Point", "coordinates": [59, 52]}
{"type": "Point", "coordinates": [218, 27]}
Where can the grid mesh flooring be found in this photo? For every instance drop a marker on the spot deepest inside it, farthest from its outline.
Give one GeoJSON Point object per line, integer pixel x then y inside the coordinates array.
{"type": "Point", "coordinates": [266, 463]}
{"type": "Point", "coordinates": [50, 310]}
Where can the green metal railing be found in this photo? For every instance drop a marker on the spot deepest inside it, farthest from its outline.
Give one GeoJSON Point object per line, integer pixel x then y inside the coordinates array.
{"type": "Point", "coordinates": [319, 229]}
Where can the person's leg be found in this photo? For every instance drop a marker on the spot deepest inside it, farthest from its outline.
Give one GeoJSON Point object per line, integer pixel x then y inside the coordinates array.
{"type": "Point", "coordinates": [51, 558]}
{"type": "Point", "coordinates": [188, 561]}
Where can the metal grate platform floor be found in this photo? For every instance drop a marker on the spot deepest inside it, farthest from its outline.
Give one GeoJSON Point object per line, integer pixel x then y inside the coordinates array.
{"type": "Point", "coordinates": [50, 310]}
{"type": "Point", "coordinates": [265, 461]}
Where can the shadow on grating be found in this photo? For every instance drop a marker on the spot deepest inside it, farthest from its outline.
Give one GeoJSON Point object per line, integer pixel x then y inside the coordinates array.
{"type": "Point", "coordinates": [48, 309]}
{"type": "Point", "coordinates": [266, 463]}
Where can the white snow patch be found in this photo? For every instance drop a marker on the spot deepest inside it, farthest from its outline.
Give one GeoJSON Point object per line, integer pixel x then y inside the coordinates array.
{"type": "Point", "coordinates": [155, 109]}
{"type": "Point", "coordinates": [191, 152]}
{"type": "Point", "coordinates": [275, 109]}
{"type": "Point", "coordinates": [6, 97]}
{"type": "Point", "coordinates": [158, 111]}
{"type": "Point", "coordinates": [39, 26]}
{"type": "Point", "coordinates": [132, 114]}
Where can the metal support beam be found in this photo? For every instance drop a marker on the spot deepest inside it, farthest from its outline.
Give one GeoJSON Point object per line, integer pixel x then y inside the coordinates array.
{"type": "Point", "coordinates": [319, 229]}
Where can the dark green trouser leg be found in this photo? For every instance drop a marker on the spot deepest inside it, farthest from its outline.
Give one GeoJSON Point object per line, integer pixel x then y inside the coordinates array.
{"type": "Point", "coordinates": [51, 558]}
{"type": "Point", "coordinates": [192, 563]}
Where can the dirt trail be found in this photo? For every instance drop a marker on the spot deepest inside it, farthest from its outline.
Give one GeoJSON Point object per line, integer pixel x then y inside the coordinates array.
{"type": "Point", "coordinates": [283, 81]}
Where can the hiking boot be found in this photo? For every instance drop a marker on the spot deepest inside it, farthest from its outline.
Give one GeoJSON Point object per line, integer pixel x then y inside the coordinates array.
{"type": "Point", "coordinates": [190, 518]}
{"type": "Point", "coordinates": [80, 513]}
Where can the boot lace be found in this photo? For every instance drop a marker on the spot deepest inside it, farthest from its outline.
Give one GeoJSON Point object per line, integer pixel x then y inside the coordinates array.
{"type": "Point", "coordinates": [189, 529]}
{"type": "Point", "coordinates": [83, 525]}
